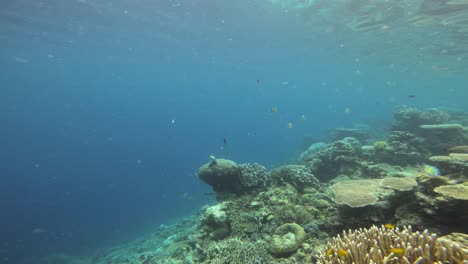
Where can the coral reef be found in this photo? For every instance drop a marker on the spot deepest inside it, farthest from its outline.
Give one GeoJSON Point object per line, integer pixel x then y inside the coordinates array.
{"type": "Point", "coordinates": [286, 214]}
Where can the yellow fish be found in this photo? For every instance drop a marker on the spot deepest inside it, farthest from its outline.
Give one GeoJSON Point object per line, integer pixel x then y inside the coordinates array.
{"type": "Point", "coordinates": [389, 226]}
{"type": "Point", "coordinates": [397, 251]}
{"type": "Point", "coordinates": [342, 252]}
{"type": "Point", "coordinates": [290, 125]}
{"type": "Point", "coordinates": [329, 251]}
{"type": "Point", "coordinates": [274, 109]}
{"type": "Point", "coordinates": [429, 170]}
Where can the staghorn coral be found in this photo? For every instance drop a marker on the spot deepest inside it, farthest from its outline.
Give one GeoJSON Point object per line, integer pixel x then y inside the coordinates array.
{"type": "Point", "coordinates": [381, 245]}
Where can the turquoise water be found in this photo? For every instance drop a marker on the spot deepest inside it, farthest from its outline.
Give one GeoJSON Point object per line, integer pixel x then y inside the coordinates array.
{"type": "Point", "coordinates": [108, 108]}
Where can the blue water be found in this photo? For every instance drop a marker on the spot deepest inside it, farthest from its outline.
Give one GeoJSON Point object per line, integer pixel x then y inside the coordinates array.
{"type": "Point", "coordinates": [107, 109]}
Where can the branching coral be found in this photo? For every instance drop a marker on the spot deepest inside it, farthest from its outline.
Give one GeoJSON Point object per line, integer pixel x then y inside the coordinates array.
{"type": "Point", "coordinates": [382, 245]}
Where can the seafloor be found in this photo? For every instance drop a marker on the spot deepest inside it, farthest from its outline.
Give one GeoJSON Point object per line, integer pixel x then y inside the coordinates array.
{"type": "Point", "coordinates": [400, 192]}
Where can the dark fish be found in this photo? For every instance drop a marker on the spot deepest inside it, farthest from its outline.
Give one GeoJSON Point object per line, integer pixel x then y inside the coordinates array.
{"type": "Point", "coordinates": [411, 96]}
{"type": "Point", "coordinates": [225, 141]}
{"type": "Point", "coordinates": [258, 81]}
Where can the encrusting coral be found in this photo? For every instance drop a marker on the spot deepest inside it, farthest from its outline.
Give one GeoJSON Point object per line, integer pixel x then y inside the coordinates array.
{"type": "Point", "coordinates": [384, 245]}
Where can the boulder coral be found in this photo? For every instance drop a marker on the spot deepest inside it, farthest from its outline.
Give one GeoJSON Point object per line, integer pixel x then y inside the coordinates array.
{"type": "Point", "coordinates": [287, 239]}
{"type": "Point", "coordinates": [221, 174]}
{"type": "Point", "coordinates": [226, 176]}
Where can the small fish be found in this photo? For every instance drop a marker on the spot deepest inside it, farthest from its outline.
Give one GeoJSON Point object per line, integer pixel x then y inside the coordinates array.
{"type": "Point", "coordinates": [347, 111]}
{"type": "Point", "coordinates": [397, 251]}
{"type": "Point", "coordinates": [225, 141]}
{"type": "Point", "coordinates": [389, 226]}
{"type": "Point", "coordinates": [290, 125]}
{"type": "Point", "coordinates": [429, 170]}
{"type": "Point", "coordinates": [303, 117]}
{"type": "Point", "coordinates": [342, 252]}
{"type": "Point", "coordinates": [274, 109]}
{"type": "Point", "coordinates": [20, 60]}
{"type": "Point", "coordinates": [411, 96]}
{"type": "Point", "coordinates": [258, 81]}
{"type": "Point", "coordinates": [38, 230]}
{"type": "Point", "coordinates": [329, 252]}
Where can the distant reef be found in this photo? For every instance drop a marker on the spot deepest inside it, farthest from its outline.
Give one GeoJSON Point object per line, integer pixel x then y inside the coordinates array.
{"type": "Point", "coordinates": [394, 197]}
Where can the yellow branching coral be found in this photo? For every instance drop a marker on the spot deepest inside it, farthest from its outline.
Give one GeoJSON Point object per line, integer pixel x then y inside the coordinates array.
{"type": "Point", "coordinates": [391, 246]}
